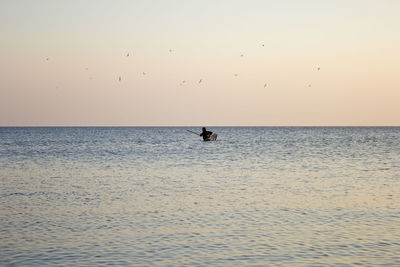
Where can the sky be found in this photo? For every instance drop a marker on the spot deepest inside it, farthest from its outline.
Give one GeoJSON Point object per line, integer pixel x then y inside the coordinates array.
{"type": "Point", "coordinates": [199, 63]}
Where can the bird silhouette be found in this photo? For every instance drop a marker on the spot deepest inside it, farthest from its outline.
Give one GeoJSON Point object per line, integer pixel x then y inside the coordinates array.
{"type": "Point", "coordinates": [200, 80]}
{"type": "Point", "coordinates": [119, 78]}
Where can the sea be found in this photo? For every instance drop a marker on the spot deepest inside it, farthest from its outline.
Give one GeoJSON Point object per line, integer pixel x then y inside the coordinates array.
{"type": "Point", "coordinates": [160, 196]}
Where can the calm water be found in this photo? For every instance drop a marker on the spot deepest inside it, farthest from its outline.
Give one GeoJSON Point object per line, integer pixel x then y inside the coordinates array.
{"type": "Point", "coordinates": [161, 196]}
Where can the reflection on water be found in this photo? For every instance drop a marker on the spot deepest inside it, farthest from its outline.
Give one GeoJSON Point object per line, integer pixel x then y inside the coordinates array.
{"type": "Point", "coordinates": [161, 196]}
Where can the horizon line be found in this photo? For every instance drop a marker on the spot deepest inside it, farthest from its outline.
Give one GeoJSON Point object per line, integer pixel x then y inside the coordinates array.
{"type": "Point", "coordinates": [193, 126]}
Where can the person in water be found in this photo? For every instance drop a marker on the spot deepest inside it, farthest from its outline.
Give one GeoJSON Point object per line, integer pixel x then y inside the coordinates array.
{"type": "Point", "coordinates": [206, 134]}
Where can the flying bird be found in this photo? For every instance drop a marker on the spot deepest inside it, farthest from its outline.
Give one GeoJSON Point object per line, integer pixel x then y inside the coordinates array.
{"type": "Point", "coordinates": [319, 68]}
{"type": "Point", "coordinates": [119, 78]}
{"type": "Point", "coordinates": [200, 80]}
{"type": "Point", "coordinates": [127, 55]}
{"type": "Point", "coordinates": [236, 74]}
{"type": "Point", "coordinates": [144, 73]}
{"type": "Point", "coordinates": [265, 85]}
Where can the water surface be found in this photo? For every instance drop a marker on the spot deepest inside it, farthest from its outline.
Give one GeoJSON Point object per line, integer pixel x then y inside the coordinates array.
{"type": "Point", "coordinates": [161, 196]}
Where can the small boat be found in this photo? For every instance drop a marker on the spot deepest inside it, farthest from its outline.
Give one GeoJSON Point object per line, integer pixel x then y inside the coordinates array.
{"type": "Point", "coordinates": [213, 137]}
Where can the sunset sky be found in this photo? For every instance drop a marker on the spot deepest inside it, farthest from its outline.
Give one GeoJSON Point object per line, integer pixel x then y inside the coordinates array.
{"type": "Point", "coordinates": [264, 63]}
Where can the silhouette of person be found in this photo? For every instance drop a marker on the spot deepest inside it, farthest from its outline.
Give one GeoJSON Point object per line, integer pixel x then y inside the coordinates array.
{"type": "Point", "coordinates": [206, 134]}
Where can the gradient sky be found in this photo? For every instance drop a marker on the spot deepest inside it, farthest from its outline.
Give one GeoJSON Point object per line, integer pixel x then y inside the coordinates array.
{"type": "Point", "coordinates": [60, 63]}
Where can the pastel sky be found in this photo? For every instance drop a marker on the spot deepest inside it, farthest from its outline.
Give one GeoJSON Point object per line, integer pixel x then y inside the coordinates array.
{"type": "Point", "coordinates": [195, 63]}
